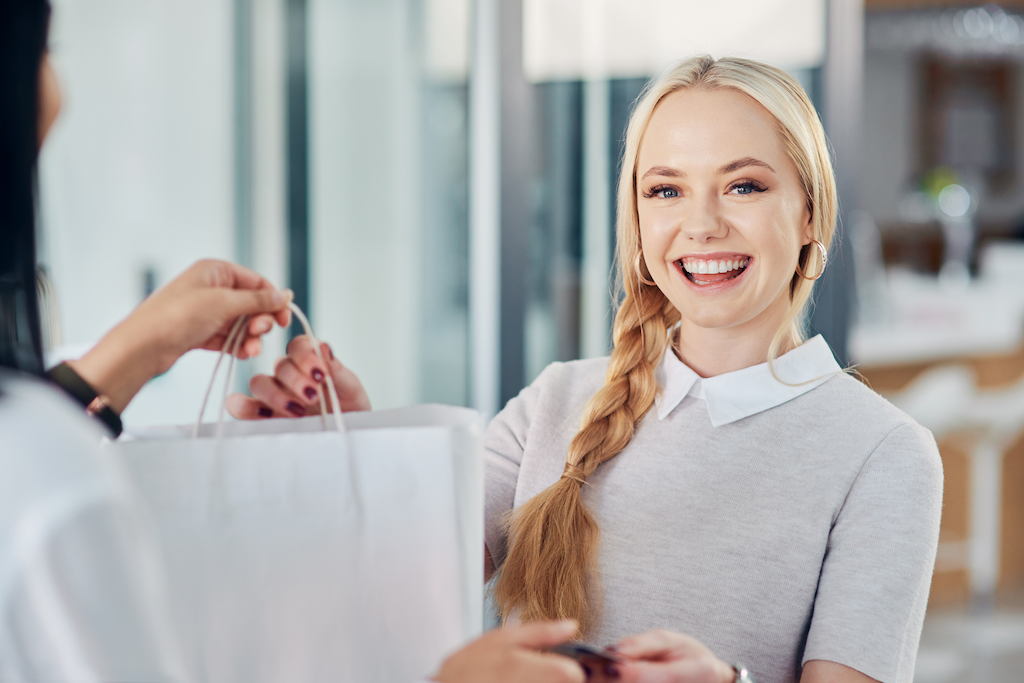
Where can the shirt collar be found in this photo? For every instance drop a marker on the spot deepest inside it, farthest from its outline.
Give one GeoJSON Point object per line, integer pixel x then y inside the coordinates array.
{"type": "Point", "coordinates": [735, 395]}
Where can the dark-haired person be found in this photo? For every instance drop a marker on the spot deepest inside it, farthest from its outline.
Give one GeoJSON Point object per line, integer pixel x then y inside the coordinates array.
{"type": "Point", "coordinates": [80, 587]}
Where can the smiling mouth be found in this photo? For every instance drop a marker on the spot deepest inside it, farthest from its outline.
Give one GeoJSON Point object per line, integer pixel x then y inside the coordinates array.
{"type": "Point", "coordinates": [703, 272]}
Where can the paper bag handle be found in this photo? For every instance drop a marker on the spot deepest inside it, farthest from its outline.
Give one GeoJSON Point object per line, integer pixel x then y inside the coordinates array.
{"type": "Point", "coordinates": [234, 343]}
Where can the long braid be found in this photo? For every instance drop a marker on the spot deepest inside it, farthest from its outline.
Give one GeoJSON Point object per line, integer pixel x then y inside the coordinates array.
{"type": "Point", "coordinates": [549, 572]}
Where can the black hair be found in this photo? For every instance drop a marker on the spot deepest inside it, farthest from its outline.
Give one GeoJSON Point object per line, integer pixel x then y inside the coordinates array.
{"type": "Point", "coordinates": [24, 25]}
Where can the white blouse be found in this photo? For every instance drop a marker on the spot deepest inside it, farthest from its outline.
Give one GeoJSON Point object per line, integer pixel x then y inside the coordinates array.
{"type": "Point", "coordinates": [80, 583]}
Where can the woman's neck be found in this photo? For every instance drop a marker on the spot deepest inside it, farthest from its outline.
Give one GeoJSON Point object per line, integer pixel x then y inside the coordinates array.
{"type": "Point", "coordinates": [716, 351]}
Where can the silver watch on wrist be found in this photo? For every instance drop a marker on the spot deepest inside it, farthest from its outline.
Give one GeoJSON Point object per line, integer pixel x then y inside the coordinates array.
{"type": "Point", "coordinates": [742, 675]}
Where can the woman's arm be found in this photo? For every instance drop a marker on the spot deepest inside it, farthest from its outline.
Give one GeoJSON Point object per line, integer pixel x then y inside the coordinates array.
{"type": "Point", "coordinates": [194, 311]}
{"type": "Point", "coordinates": [666, 657]}
{"type": "Point", "coordinates": [821, 671]}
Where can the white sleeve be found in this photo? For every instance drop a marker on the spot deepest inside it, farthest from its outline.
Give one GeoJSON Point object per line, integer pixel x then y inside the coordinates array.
{"type": "Point", "coordinates": [81, 598]}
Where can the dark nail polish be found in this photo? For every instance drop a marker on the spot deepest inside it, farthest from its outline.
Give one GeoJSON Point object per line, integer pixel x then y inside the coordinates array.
{"type": "Point", "coordinates": [586, 670]}
{"type": "Point", "coordinates": [295, 409]}
{"type": "Point", "coordinates": [330, 352]}
{"type": "Point", "coordinates": [310, 393]}
{"type": "Point", "coordinates": [317, 375]}
{"type": "Point", "coordinates": [611, 671]}
{"type": "Point", "coordinates": [265, 411]}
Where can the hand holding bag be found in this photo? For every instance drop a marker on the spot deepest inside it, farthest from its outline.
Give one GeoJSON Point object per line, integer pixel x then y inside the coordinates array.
{"type": "Point", "coordinates": [315, 551]}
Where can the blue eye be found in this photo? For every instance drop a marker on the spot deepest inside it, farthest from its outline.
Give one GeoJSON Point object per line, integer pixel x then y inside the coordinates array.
{"type": "Point", "coordinates": [662, 192]}
{"type": "Point", "coordinates": [747, 187]}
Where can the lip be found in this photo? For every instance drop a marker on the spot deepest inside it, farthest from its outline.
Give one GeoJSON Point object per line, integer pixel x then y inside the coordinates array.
{"type": "Point", "coordinates": [716, 287]}
{"type": "Point", "coordinates": [714, 255]}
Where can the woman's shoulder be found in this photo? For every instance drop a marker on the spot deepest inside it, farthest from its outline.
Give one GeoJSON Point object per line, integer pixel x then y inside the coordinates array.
{"type": "Point", "coordinates": [572, 376]}
{"type": "Point", "coordinates": [858, 413]}
{"type": "Point", "coordinates": [559, 391]}
{"type": "Point", "coordinates": [46, 436]}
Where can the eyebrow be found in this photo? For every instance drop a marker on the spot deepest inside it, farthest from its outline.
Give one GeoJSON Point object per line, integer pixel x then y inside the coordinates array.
{"type": "Point", "coordinates": [669, 172]}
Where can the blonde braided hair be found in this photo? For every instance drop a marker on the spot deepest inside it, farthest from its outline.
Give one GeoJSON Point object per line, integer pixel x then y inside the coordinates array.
{"type": "Point", "coordinates": [550, 571]}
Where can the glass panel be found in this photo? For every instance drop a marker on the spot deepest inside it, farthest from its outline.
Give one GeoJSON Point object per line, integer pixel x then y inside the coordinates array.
{"type": "Point", "coordinates": [388, 198]}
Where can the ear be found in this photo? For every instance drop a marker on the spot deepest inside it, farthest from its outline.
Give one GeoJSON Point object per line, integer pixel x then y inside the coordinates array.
{"type": "Point", "coordinates": [807, 231]}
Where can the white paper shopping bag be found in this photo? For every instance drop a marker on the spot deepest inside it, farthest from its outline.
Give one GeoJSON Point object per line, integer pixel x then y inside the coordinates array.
{"type": "Point", "coordinates": [298, 554]}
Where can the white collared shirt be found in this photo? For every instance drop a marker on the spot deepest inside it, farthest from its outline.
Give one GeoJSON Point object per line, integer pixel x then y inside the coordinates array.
{"type": "Point", "coordinates": [735, 395]}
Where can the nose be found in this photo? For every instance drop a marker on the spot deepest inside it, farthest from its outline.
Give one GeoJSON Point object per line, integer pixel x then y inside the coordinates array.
{"type": "Point", "coordinates": [704, 220]}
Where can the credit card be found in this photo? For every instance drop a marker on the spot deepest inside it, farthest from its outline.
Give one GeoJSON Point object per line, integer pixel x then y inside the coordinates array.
{"type": "Point", "coordinates": [584, 654]}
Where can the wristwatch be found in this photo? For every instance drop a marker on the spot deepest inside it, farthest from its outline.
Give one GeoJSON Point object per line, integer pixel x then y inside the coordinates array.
{"type": "Point", "coordinates": [742, 675]}
{"type": "Point", "coordinates": [95, 403]}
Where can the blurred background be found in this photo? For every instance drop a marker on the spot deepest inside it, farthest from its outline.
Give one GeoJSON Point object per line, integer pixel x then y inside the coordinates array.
{"type": "Point", "coordinates": [435, 179]}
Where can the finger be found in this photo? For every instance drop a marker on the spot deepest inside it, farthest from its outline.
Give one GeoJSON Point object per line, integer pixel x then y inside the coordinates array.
{"type": "Point", "coordinates": [261, 324]}
{"type": "Point", "coordinates": [350, 390]}
{"type": "Point", "coordinates": [291, 378]}
{"type": "Point", "coordinates": [242, 407]}
{"type": "Point", "coordinates": [650, 645]}
{"type": "Point", "coordinates": [302, 355]}
{"type": "Point", "coordinates": [647, 672]}
{"type": "Point", "coordinates": [284, 317]}
{"type": "Point", "coordinates": [267, 390]}
{"type": "Point", "coordinates": [252, 302]}
{"type": "Point", "coordinates": [218, 273]}
{"type": "Point", "coordinates": [546, 668]}
{"type": "Point", "coordinates": [541, 634]}
{"type": "Point", "coordinates": [250, 348]}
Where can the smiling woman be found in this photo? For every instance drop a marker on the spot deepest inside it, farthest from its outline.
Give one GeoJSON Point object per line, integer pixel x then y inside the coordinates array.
{"type": "Point", "coordinates": [728, 481]}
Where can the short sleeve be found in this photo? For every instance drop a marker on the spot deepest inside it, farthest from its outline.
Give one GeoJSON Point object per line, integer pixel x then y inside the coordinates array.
{"type": "Point", "coordinates": [875, 578]}
{"type": "Point", "coordinates": [504, 443]}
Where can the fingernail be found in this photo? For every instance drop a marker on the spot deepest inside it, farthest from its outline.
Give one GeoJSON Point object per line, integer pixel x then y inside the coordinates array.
{"type": "Point", "coordinates": [265, 411]}
{"type": "Point", "coordinates": [586, 670]}
{"type": "Point", "coordinates": [611, 671]}
{"type": "Point", "coordinates": [282, 297]}
{"type": "Point", "coordinates": [330, 352]}
{"type": "Point", "coordinates": [317, 375]}
{"type": "Point", "coordinates": [613, 648]}
{"type": "Point", "coordinates": [295, 409]}
{"type": "Point", "coordinates": [310, 393]}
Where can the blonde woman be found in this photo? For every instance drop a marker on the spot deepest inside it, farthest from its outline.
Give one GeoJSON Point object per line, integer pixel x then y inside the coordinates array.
{"type": "Point", "coordinates": [718, 475]}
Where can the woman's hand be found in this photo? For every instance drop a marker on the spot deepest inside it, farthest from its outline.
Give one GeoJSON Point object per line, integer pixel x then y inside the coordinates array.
{"type": "Point", "coordinates": [293, 390]}
{"type": "Point", "coordinates": [666, 657]}
{"type": "Point", "coordinates": [511, 655]}
{"type": "Point", "coordinates": [194, 311]}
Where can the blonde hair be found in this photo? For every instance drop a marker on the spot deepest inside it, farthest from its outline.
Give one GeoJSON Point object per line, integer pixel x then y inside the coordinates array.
{"type": "Point", "coordinates": [551, 568]}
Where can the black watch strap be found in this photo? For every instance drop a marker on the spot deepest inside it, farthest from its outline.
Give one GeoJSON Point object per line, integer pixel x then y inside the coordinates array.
{"type": "Point", "coordinates": [72, 383]}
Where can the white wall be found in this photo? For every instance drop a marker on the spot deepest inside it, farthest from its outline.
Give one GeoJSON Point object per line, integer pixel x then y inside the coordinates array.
{"type": "Point", "coordinates": [137, 172]}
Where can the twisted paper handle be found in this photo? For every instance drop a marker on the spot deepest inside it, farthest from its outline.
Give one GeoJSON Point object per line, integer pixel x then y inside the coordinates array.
{"type": "Point", "coordinates": [234, 343]}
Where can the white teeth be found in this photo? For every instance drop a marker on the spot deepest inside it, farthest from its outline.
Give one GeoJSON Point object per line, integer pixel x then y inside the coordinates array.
{"type": "Point", "coordinates": [713, 267]}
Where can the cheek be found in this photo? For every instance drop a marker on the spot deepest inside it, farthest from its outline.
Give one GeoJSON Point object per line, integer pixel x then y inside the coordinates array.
{"type": "Point", "coordinates": [656, 229]}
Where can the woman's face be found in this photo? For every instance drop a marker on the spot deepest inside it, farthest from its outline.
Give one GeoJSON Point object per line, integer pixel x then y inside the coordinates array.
{"type": "Point", "coordinates": [49, 98]}
{"type": "Point", "coordinates": [723, 214]}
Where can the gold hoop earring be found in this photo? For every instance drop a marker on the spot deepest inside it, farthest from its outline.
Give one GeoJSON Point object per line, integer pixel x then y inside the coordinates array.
{"type": "Point", "coordinates": [640, 274]}
{"type": "Point", "coordinates": [824, 262]}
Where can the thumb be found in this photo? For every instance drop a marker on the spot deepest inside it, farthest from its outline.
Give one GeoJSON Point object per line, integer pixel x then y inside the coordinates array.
{"type": "Point", "coordinates": [543, 634]}
{"type": "Point", "coordinates": [253, 301]}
